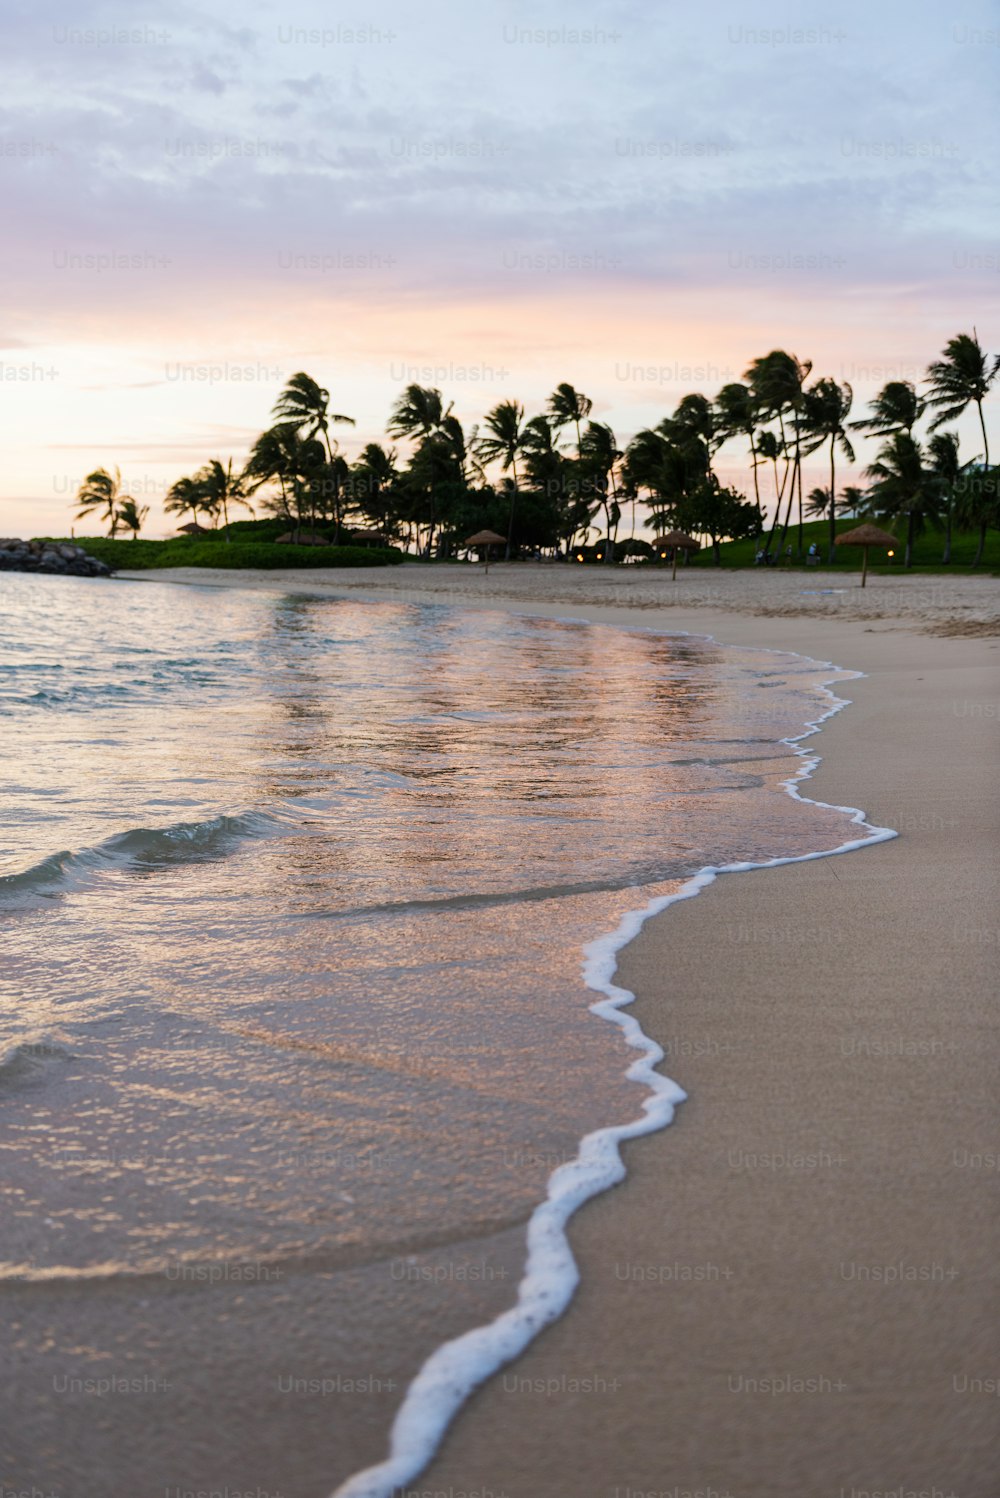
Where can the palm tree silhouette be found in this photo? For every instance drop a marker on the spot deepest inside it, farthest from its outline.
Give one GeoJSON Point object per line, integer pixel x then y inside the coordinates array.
{"type": "Point", "coordinates": [770, 448]}
{"type": "Point", "coordinates": [184, 495]}
{"type": "Point", "coordinates": [505, 436]}
{"type": "Point", "coordinates": [777, 381]}
{"type": "Point", "coordinates": [102, 490]}
{"type": "Point", "coordinates": [903, 486]}
{"type": "Point", "coordinates": [817, 503]}
{"type": "Point", "coordinates": [420, 414]}
{"type": "Point", "coordinates": [567, 405]}
{"type": "Point", "coordinates": [736, 414]}
{"type": "Point", "coordinates": [220, 488]}
{"type": "Point", "coordinates": [373, 479]}
{"type": "Point", "coordinates": [896, 408]}
{"type": "Point", "coordinates": [964, 376]}
{"type": "Point", "coordinates": [281, 456]}
{"type": "Point", "coordinates": [304, 406]}
{"type": "Point", "coordinates": [132, 516]}
{"type": "Point", "coordinates": [827, 407]}
{"type": "Point", "coordinates": [853, 501]}
{"type": "Point", "coordinates": [947, 470]}
{"type": "Point", "coordinates": [599, 455]}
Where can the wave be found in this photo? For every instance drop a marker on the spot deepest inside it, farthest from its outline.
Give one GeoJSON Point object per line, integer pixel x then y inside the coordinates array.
{"type": "Point", "coordinates": [139, 850]}
{"type": "Point", "coordinates": [457, 1368]}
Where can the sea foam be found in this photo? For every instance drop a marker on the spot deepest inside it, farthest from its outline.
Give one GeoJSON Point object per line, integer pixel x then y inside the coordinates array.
{"type": "Point", "coordinates": [551, 1275]}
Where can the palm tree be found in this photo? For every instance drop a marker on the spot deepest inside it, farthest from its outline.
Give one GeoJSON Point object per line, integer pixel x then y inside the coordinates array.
{"type": "Point", "coordinates": [132, 516]}
{"type": "Point", "coordinates": [568, 405]}
{"type": "Point", "coordinates": [896, 408]}
{"type": "Point", "coordinates": [374, 478]}
{"type": "Point", "coordinates": [102, 490]}
{"type": "Point", "coordinates": [420, 414]}
{"type": "Point", "coordinates": [770, 448]}
{"type": "Point", "coordinates": [947, 470]}
{"type": "Point", "coordinates": [599, 454]}
{"type": "Point", "coordinates": [902, 485]}
{"type": "Point", "coordinates": [817, 503]}
{"type": "Point", "coordinates": [184, 495]}
{"type": "Point", "coordinates": [220, 488]}
{"type": "Point", "coordinates": [694, 422]}
{"type": "Point", "coordinates": [827, 407]}
{"type": "Point", "coordinates": [853, 501]}
{"type": "Point", "coordinates": [281, 456]}
{"type": "Point", "coordinates": [503, 440]}
{"type": "Point", "coordinates": [777, 381]}
{"type": "Point", "coordinates": [304, 406]}
{"type": "Point", "coordinates": [963, 376]}
{"type": "Point", "coordinates": [736, 414]}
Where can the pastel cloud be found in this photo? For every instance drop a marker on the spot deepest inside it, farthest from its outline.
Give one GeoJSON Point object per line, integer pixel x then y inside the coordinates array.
{"type": "Point", "coordinates": [557, 194]}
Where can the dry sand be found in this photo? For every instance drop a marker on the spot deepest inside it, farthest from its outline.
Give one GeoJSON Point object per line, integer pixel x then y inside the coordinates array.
{"type": "Point", "coordinates": [795, 1291]}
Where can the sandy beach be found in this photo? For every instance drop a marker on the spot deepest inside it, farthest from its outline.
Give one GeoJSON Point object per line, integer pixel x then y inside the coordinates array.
{"type": "Point", "coordinates": [795, 1290]}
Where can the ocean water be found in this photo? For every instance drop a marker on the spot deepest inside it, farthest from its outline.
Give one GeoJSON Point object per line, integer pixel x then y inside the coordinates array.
{"type": "Point", "coordinates": [294, 901]}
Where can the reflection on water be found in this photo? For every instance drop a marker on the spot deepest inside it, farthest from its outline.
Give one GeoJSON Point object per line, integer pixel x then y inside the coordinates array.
{"type": "Point", "coordinates": [346, 1022]}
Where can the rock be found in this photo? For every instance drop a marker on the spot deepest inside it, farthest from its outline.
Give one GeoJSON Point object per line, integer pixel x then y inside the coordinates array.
{"type": "Point", "coordinates": [58, 558]}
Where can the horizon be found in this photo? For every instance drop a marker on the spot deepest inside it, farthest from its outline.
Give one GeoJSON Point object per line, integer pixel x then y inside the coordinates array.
{"type": "Point", "coordinates": [224, 192]}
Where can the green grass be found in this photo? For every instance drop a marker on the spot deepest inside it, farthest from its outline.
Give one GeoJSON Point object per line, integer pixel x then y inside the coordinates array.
{"type": "Point", "coordinates": [199, 551]}
{"type": "Point", "coordinates": [927, 550]}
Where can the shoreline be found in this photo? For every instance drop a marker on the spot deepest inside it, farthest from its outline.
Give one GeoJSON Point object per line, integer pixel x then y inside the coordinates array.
{"type": "Point", "coordinates": [711, 1313]}
{"type": "Point", "coordinates": [955, 605]}
{"type": "Point", "coordinates": [685, 1205]}
{"type": "Point", "coordinates": [551, 1275]}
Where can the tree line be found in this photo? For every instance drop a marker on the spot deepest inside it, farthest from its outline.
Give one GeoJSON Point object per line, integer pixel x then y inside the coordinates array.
{"type": "Point", "coordinates": [559, 476]}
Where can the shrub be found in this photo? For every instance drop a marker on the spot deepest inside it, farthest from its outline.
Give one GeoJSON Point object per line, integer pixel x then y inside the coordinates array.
{"type": "Point", "coordinates": [196, 551]}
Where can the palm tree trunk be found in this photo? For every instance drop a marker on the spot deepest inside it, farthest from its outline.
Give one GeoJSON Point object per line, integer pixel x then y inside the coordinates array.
{"type": "Point", "coordinates": [510, 516]}
{"type": "Point", "coordinates": [780, 494]}
{"type": "Point", "coordinates": [910, 519]}
{"type": "Point", "coordinates": [982, 543]}
{"type": "Point", "coordinates": [946, 554]}
{"type": "Point", "coordinates": [756, 480]}
{"type": "Point", "coordinates": [832, 555]}
{"type": "Point", "coordinates": [798, 470]}
{"type": "Point", "coordinates": [983, 524]}
{"type": "Point", "coordinates": [788, 508]}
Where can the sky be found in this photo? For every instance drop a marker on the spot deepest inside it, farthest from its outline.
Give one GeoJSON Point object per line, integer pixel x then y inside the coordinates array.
{"type": "Point", "coordinates": [489, 198]}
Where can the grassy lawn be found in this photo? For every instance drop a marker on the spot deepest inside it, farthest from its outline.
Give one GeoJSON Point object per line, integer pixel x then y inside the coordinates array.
{"type": "Point", "coordinates": [927, 551]}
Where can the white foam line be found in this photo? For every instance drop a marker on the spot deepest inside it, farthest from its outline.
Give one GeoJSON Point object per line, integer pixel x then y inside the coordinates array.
{"type": "Point", "coordinates": [551, 1276]}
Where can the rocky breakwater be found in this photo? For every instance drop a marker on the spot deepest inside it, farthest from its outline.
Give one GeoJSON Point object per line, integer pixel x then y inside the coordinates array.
{"type": "Point", "coordinates": [60, 557]}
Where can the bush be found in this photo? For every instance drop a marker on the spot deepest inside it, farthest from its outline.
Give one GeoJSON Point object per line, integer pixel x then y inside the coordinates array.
{"type": "Point", "coordinates": [197, 551]}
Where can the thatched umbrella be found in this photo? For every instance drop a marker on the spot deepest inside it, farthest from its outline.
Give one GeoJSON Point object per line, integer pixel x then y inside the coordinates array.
{"type": "Point", "coordinates": [487, 539]}
{"type": "Point", "coordinates": [865, 535]}
{"type": "Point", "coordinates": [678, 541]}
{"type": "Point", "coordinates": [301, 538]}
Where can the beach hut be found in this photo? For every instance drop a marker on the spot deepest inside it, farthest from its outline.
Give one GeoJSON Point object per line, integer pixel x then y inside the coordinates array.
{"type": "Point", "coordinates": [192, 529]}
{"type": "Point", "coordinates": [484, 540]}
{"type": "Point", "coordinates": [301, 538]}
{"type": "Point", "coordinates": [866, 535]}
{"type": "Point", "coordinates": [676, 541]}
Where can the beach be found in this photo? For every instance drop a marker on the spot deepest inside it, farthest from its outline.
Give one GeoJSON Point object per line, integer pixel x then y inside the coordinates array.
{"type": "Point", "coordinates": [795, 1290]}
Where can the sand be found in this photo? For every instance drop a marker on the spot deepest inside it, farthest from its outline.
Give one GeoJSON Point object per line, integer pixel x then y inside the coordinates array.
{"type": "Point", "coordinates": [795, 1290]}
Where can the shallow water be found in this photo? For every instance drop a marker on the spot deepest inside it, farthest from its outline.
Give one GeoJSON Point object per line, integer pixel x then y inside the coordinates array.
{"type": "Point", "coordinates": [293, 894]}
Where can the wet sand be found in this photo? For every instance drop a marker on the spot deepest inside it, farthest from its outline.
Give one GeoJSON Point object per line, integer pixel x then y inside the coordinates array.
{"type": "Point", "coordinates": [795, 1290]}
